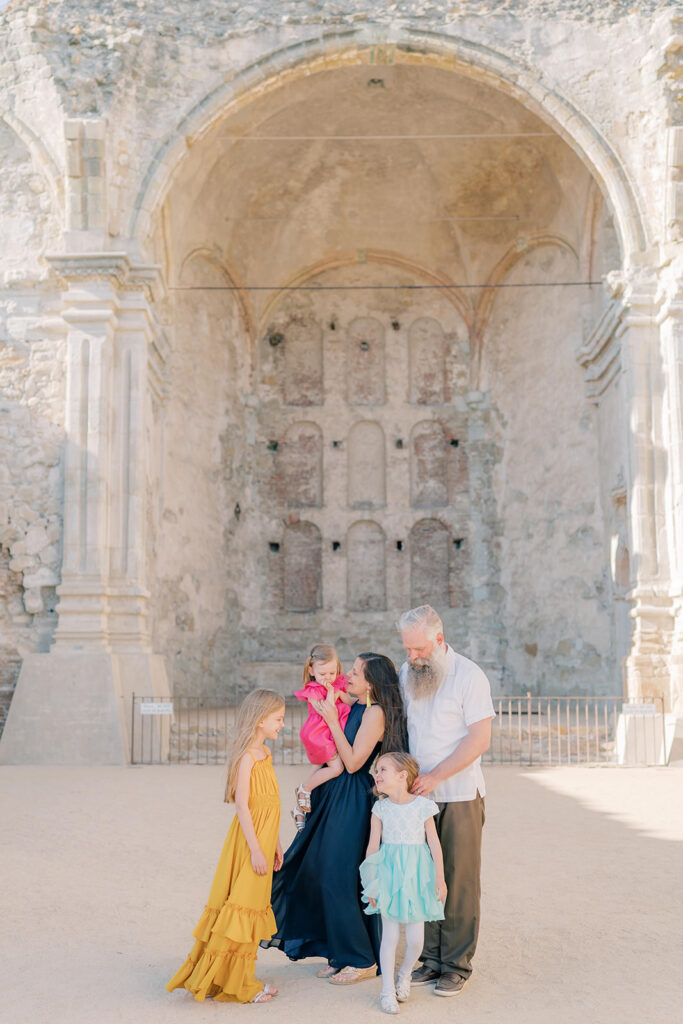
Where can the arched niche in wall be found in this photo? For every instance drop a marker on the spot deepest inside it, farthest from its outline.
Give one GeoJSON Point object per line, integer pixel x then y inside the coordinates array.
{"type": "Point", "coordinates": [458, 469]}
{"type": "Point", "coordinates": [366, 466]}
{"type": "Point", "coordinates": [366, 567]}
{"type": "Point", "coordinates": [302, 544]}
{"type": "Point", "coordinates": [426, 360]}
{"type": "Point", "coordinates": [365, 362]}
{"type": "Point", "coordinates": [428, 465]}
{"type": "Point", "coordinates": [429, 561]}
{"type": "Point", "coordinates": [303, 356]}
{"type": "Point", "coordinates": [300, 465]}
{"type": "Point", "coordinates": [460, 588]}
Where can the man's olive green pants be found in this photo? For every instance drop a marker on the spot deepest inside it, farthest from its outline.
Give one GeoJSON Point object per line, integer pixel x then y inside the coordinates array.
{"type": "Point", "coordinates": [450, 944]}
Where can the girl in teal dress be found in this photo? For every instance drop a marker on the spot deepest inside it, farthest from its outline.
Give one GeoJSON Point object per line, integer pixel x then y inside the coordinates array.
{"type": "Point", "coordinates": [403, 878]}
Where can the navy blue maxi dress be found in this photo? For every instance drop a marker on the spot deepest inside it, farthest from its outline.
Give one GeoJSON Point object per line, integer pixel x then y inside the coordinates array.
{"type": "Point", "coordinates": [316, 893]}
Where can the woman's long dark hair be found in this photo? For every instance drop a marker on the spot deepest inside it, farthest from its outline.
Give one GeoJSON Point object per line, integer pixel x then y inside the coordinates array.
{"type": "Point", "coordinates": [380, 672]}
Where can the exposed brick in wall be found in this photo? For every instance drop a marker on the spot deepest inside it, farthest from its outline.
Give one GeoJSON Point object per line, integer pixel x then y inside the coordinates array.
{"type": "Point", "coordinates": [429, 563]}
{"type": "Point", "coordinates": [427, 365]}
{"type": "Point", "coordinates": [365, 374]}
{"type": "Point", "coordinates": [367, 461]}
{"type": "Point", "coordinates": [301, 466]}
{"type": "Point", "coordinates": [303, 371]}
{"type": "Point", "coordinates": [366, 567]}
{"type": "Point", "coordinates": [428, 465]}
{"type": "Point", "coordinates": [302, 567]}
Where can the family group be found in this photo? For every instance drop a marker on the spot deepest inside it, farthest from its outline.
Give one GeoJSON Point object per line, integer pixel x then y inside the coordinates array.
{"type": "Point", "coordinates": [389, 826]}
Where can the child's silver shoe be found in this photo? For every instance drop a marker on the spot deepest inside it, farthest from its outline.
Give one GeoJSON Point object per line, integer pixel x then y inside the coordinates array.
{"type": "Point", "coordinates": [403, 988]}
{"type": "Point", "coordinates": [388, 1003]}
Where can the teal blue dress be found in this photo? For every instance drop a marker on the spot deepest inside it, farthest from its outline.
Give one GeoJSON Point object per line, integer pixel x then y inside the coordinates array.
{"type": "Point", "coordinates": [400, 877]}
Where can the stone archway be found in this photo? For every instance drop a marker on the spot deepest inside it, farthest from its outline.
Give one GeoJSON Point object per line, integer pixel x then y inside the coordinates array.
{"type": "Point", "coordinates": [361, 253]}
{"type": "Point", "coordinates": [180, 554]}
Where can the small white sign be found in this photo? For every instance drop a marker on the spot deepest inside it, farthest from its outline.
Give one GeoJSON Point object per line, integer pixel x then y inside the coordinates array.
{"type": "Point", "coordinates": [150, 707]}
{"type": "Point", "coordinates": [639, 709]}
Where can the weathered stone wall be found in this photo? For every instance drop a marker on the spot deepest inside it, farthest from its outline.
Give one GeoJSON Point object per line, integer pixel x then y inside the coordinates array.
{"type": "Point", "coordinates": [32, 373]}
{"type": "Point", "coordinates": [316, 460]}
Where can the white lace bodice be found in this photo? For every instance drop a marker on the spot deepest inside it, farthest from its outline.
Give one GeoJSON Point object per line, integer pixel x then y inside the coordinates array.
{"type": "Point", "coordinates": [404, 823]}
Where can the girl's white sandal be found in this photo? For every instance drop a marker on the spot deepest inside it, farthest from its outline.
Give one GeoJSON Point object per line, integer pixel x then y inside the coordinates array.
{"type": "Point", "coordinates": [265, 995]}
{"type": "Point", "coordinates": [403, 988]}
{"type": "Point", "coordinates": [389, 1004]}
{"type": "Point", "coordinates": [303, 798]}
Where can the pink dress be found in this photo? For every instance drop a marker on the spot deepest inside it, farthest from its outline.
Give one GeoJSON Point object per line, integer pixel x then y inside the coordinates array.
{"type": "Point", "coordinates": [315, 732]}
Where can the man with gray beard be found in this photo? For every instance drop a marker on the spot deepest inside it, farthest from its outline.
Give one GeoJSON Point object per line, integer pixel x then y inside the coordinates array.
{"type": "Point", "coordinates": [449, 710]}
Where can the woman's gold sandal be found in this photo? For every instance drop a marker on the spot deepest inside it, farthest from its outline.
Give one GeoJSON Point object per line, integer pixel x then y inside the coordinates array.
{"type": "Point", "coordinates": [328, 971]}
{"type": "Point", "coordinates": [350, 975]}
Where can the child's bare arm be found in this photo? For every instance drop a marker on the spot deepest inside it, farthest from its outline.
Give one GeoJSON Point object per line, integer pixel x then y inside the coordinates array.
{"type": "Point", "coordinates": [373, 844]}
{"type": "Point", "coordinates": [375, 835]}
{"type": "Point", "coordinates": [339, 694]}
{"type": "Point", "coordinates": [437, 856]}
{"type": "Point", "coordinates": [258, 857]}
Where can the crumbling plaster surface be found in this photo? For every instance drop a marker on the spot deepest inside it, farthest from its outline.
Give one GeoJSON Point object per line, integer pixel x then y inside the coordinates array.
{"type": "Point", "coordinates": [97, 101]}
{"type": "Point", "coordinates": [32, 379]}
{"type": "Point", "coordinates": [149, 61]}
{"type": "Point", "coordinates": [556, 594]}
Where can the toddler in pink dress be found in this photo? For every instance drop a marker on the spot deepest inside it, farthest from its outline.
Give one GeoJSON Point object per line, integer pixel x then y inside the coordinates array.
{"type": "Point", "coordinates": [322, 675]}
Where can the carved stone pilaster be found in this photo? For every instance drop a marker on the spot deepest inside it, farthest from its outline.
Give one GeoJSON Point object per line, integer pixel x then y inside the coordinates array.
{"type": "Point", "coordinates": [115, 355]}
{"type": "Point", "coordinates": [648, 664]}
{"type": "Point", "coordinates": [670, 322]}
{"type": "Point", "coordinates": [73, 704]}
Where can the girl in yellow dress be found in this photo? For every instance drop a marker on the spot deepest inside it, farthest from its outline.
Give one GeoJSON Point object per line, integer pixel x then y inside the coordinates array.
{"type": "Point", "coordinates": [238, 914]}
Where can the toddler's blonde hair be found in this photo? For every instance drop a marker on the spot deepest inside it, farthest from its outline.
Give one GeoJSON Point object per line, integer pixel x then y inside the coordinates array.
{"type": "Point", "coordinates": [256, 706]}
{"type": "Point", "coordinates": [320, 652]}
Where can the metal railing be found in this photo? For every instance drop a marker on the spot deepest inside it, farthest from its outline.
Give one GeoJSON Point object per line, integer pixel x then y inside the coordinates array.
{"type": "Point", "coordinates": [528, 730]}
{"type": "Point", "coordinates": [188, 730]}
{"type": "Point", "coordinates": [533, 730]}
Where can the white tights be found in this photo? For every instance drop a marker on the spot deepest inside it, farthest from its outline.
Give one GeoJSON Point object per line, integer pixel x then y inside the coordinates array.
{"type": "Point", "coordinates": [415, 933]}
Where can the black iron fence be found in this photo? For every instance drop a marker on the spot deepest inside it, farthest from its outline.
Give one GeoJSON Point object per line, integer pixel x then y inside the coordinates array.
{"type": "Point", "coordinates": [527, 730]}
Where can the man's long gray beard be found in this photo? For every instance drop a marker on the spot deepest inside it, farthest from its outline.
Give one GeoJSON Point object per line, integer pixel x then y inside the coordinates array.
{"type": "Point", "coordinates": [425, 675]}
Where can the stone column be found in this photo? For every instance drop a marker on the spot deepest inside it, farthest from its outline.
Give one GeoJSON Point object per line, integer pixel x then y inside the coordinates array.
{"type": "Point", "coordinates": [138, 359]}
{"type": "Point", "coordinates": [670, 321]}
{"type": "Point", "coordinates": [73, 705]}
{"type": "Point", "coordinates": [647, 666]}
{"type": "Point", "coordinates": [90, 311]}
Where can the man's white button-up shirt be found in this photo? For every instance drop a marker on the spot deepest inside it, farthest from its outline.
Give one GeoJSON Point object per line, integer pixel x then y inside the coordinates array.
{"type": "Point", "coordinates": [437, 724]}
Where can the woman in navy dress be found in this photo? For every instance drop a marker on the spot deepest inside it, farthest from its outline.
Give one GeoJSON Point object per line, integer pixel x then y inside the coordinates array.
{"type": "Point", "coordinates": [316, 894]}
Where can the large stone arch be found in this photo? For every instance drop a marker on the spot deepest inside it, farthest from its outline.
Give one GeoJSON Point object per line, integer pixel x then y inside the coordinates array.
{"type": "Point", "coordinates": [410, 46]}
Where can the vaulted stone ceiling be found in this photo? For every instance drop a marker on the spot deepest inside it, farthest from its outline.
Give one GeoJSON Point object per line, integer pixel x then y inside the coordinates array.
{"type": "Point", "coordinates": [415, 161]}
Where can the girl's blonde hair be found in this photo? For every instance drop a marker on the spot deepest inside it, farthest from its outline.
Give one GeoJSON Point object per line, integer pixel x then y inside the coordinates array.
{"type": "Point", "coordinates": [256, 706]}
{"type": "Point", "coordinates": [404, 763]}
{"type": "Point", "coordinates": [321, 652]}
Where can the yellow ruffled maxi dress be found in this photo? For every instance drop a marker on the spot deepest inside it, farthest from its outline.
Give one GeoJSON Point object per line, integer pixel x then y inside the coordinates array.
{"type": "Point", "coordinates": [238, 914]}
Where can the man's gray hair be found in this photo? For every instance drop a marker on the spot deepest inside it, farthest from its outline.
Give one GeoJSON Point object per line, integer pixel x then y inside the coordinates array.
{"type": "Point", "coordinates": [422, 617]}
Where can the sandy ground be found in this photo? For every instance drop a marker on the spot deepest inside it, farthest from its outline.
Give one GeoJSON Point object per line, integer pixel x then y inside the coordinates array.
{"type": "Point", "coordinates": [105, 870]}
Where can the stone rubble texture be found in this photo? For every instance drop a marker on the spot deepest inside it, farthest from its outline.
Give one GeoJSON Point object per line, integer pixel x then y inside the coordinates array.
{"type": "Point", "coordinates": [222, 476]}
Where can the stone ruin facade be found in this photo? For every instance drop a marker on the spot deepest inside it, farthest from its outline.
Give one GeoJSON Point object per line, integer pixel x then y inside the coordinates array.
{"type": "Point", "coordinates": [310, 312]}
